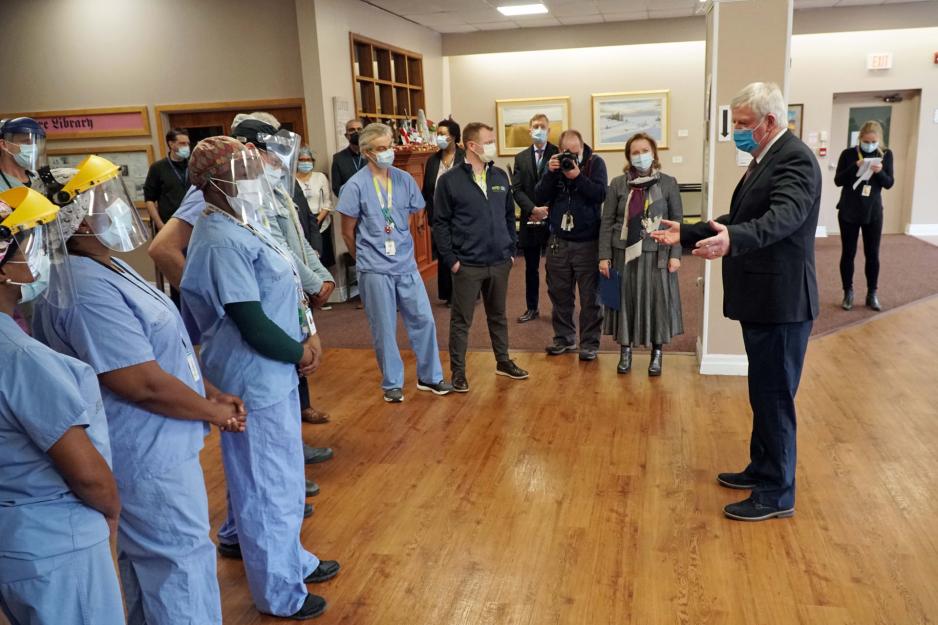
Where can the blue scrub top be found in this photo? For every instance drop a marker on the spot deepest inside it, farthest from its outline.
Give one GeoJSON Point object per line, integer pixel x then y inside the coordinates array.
{"type": "Point", "coordinates": [360, 201]}
{"type": "Point", "coordinates": [226, 264]}
{"type": "Point", "coordinates": [42, 395]}
{"type": "Point", "coordinates": [191, 207]}
{"type": "Point", "coordinates": [119, 321]}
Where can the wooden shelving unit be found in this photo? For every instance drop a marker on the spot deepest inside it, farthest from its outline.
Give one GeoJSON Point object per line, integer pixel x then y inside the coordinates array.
{"type": "Point", "coordinates": [387, 81]}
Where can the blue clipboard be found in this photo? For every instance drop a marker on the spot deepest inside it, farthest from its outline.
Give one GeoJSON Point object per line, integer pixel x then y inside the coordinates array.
{"type": "Point", "coordinates": [610, 290]}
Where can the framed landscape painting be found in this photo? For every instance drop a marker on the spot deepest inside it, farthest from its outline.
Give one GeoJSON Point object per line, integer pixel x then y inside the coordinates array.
{"type": "Point", "coordinates": [795, 119]}
{"type": "Point", "coordinates": [512, 118]}
{"type": "Point", "coordinates": [618, 116]}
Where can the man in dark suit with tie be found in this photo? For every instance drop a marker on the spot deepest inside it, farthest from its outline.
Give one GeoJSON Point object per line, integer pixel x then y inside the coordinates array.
{"type": "Point", "coordinates": [533, 232]}
{"type": "Point", "coordinates": [770, 287]}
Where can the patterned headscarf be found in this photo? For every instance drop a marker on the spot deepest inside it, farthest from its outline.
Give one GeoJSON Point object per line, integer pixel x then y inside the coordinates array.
{"type": "Point", "coordinates": [71, 215]}
{"type": "Point", "coordinates": [211, 156]}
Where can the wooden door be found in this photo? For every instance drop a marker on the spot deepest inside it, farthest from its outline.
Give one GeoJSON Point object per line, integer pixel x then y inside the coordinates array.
{"type": "Point", "coordinates": [414, 163]}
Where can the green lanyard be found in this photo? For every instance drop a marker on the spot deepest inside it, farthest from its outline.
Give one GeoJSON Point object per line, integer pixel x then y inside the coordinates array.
{"type": "Point", "coordinates": [385, 208]}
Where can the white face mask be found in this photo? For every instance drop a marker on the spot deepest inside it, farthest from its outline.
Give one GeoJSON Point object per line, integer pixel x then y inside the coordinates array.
{"type": "Point", "coordinates": [489, 152]}
{"type": "Point", "coordinates": [643, 161]}
{"type": "Point", "coordinates": [274, 174]}
{"type": "Point", "coordinates": [117, 236]}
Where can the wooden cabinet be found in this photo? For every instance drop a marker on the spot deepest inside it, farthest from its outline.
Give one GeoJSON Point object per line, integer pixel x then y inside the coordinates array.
{"type": "Point", "coordinates": [414, 163]}
{"type": "Point", "coordinates": [387, 80]}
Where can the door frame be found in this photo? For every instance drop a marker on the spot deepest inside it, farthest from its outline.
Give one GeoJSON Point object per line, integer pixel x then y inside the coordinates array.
{"type": "Point", "coordinates": [162, 112]}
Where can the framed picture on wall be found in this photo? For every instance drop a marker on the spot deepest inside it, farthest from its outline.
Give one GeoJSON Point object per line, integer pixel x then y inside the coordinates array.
{"type": "Point", "coordinates": [795, 118]}
{"type": "Point", "coordinates": [618, 116]}
{"type": "Point", "coordinates": [512, 119]}
{"type": "Point", "coordinates": [134, 161]}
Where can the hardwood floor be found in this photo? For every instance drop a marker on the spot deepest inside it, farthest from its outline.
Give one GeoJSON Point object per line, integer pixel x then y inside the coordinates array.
{"type": "Point", "coordinates": [580, 496]}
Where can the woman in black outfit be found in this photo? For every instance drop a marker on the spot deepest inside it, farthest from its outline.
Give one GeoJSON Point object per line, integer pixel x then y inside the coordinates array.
{"type": "Point", "coordinates": [861, 209]}
{"type": "Point", "coordinates": [450, 155]}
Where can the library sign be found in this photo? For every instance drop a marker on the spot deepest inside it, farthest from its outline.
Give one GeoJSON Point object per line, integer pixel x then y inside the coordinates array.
{"type": "Point", "coordinates": [92, 123]}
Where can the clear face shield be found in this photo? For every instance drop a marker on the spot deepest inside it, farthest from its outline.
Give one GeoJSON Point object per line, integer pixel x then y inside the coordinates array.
{"type": "Point", "coordinates": [246, 187]}
{"type": "Point", "coordinates": [27, 149]}
{"type": "Point", "coordinates": [283, 150]}
{"type": "Point", "coordinates": [33, 254]}
{"type": "Point", "coordinates": [112, 216]}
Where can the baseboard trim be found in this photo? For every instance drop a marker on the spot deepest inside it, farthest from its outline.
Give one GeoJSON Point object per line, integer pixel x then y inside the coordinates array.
{"type": "Point", "coordinates": [922, 230]}
{"type": "Point", "coordinates": [821, 232]}
{"type": "Point", "coordinates": [724, 364]}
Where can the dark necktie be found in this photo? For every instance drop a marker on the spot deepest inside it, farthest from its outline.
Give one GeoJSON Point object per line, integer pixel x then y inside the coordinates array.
{"type": "Point", "coordinates": [750, 169]}
{"type": "Point", "coordinates": [540, 154]}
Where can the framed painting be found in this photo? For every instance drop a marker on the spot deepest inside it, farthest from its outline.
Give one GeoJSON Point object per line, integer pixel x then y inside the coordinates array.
{"type": "Point", "coordinates": [795, 119]}
{"type": "Point", "coordinates": [134, 161]}
{"type": "Point", "coordinates": [618, 116]}
{"type": "Point", "coordinates": [512, 119]}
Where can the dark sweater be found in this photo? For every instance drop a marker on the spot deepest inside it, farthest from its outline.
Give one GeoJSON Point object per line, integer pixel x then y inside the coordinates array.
{"type": "Point", "coordinates": [854, 208]}
{"type": "Point", "coordinates": [468, 226]}
{"type": "Point", "coordinates": [583, 197]}
{"type": "Point", "coordinates": [345, 164]}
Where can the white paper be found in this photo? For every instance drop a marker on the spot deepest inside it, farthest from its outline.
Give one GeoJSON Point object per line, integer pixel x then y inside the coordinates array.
{"type": "Point", "coordinates": [865, 171]}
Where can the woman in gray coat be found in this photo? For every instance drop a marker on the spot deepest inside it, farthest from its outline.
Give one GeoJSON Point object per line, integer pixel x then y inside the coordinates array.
{"type": "Point", "coordinates": [649, 301]}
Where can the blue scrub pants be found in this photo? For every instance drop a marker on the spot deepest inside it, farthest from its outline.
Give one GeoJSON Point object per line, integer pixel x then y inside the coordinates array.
{"type": "Point", "coordinates": [267, 491]}
{"type": "Point", "coordinates": [78, 588]}
{"type": "Point", "coordinates": [382, 296]}
{"type": "Point", "coordinates": [164, 553]}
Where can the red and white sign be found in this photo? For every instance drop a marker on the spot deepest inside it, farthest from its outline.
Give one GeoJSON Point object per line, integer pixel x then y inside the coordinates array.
{"type": "Point", "coordinates": [92, 123]}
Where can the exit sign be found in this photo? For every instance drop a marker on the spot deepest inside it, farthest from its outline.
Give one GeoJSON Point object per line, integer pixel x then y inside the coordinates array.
{"type": "Point", "coordinates": [879, 60]}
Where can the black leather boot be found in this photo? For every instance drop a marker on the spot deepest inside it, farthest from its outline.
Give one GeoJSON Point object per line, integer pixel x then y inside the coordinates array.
{"type": "Point", "coordinates": [625, 359]}
{"type": "Point", "coordinates": [654, 367]}
{"type": "Point", "coordinates": [872, 301]}
{"type": "Point", "coordinates": [847, 304]}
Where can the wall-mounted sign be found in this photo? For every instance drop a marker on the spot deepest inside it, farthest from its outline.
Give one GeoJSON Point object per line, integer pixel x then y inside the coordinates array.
{"type": "Point", "coordinates": [128, 121]}
{"type": "Point", "coordinates": [879, 60]}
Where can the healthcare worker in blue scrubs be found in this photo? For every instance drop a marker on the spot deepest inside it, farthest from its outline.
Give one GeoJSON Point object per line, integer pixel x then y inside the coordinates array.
{"type": "Point", "coordinates": [246, 297]}
{"type": "Point", "coordinates": [376, 204]}
{"type": "Point", "coordinates": [58, 498]}
{"type": "Point", "coordinates": [154, 395]}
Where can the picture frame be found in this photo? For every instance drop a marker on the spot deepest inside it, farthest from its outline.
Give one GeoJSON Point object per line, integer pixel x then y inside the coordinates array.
{"type": "Point", "coordinates": [134, 160]}
{"type": "Point", "coordinates": [796, 119]}
{"type": "Point", "coordinates": [618, 116]}
{"type": "Point", "coordinates": [512, 119]}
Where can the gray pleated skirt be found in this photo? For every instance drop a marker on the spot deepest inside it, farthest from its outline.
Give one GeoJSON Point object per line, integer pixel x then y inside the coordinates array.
{"type": "Point", "coordinates": [650, 305]}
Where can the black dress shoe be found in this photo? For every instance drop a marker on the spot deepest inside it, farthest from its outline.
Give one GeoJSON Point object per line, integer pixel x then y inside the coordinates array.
{"type": "Point", "coordinates": [872, 301]}
{"type": "Point", "coordinates": [326, 570]}
{"type": "Point", "coordinates": [742, 481]}
{"type": "Point", "coordinates": [654, 365]}
{"type": "Point", "coordinates": [587, 355]}
{"type": "Point", "coordinates": [749, 510]}
{"type": "Point", "coordinates": [312, 488]}
{"type": "Point", "coordinates": [625, 359]}
{"type": "Point", "coordinates": [315, 455]}
{"type": "Point", "coordinates": [509, 369]}
{"type": "Point", "coordinates": [230, 550]}
{"type": "Point", "coordinates": [460, 383]}
{"type": "Point", "coordinates": [307, 511]}
{"type": "Point", "coordinates": [312, 607]}
{"type": "Point", "coordinates": [847, 304]}
{"type": "Point", "coordinates": [529, 315]}
{"type": "Point", "coordinates": [556, 348]}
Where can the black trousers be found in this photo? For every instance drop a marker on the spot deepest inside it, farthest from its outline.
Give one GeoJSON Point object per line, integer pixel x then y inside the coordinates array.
{"type": "Point", "coordinates": [776, 356]}
{"type": "Point", "coordinates": [303, 389]}
{"type": "Point", "coordinates": [444, 278]}
{"type": "Point", "coordinates": [532, 274]}
{"type": "Point", "coordinates": [872, 235]}
{"type": "Point", "coordinates": [468, 282]}
{"type": "Point", "coordinates": [574, 266]}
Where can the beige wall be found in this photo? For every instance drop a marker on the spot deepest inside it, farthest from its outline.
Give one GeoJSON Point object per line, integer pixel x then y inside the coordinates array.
{"type": "Point", "coordinates": [477, 80]}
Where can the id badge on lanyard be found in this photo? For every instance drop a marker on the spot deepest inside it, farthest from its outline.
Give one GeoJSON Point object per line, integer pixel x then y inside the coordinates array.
{"type": "Point", "coordinates": [867, 189]}
{"type": "Point", "coordinates": [390, 248]}
{"type": "Point", "coordinates": [193, 367]}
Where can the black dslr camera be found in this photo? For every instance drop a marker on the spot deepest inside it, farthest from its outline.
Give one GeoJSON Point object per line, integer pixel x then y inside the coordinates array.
{"type": "Point", "coordinates": [568, 160]}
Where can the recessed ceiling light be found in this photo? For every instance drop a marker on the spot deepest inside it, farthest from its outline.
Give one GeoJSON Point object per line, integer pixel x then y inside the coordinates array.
{"type": "Point", "coordinates": [523, 9]}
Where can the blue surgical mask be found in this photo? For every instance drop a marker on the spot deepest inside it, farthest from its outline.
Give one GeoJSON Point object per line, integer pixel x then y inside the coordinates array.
{"type": "Point", "coordinates": [304, 166]}
{"type": "Point", "coordinates": [385, 159]}
{"type": "Point", "coordinates": [31, 290]}
{"type": "Point", "coordinates": [183, 152]}
{"type": "Point", "coordinates": [643, 161]}
{"type": "Point", "coordinates": [744, 140]}
{"type": "Point", "coordinates": [26, 156]}
{"type": "Point", "coordinates": [442, 142]}
{"type": "Point", "coordinates": [870, 147]}
{"type": "Point", "coordinates": [539, 135]}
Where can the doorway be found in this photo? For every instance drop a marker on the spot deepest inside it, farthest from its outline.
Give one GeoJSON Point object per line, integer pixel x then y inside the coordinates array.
{"type": "Point", "coordinates": [898, 111]}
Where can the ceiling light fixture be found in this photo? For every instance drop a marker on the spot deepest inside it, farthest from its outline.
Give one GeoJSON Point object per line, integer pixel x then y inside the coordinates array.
{"type": "Point", "coordinates": [523, 9]}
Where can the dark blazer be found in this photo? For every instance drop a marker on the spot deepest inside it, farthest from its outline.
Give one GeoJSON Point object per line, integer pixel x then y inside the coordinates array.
{"type": "Point", "coordinates": [345, 164]}
{"type": "Point", "coordinates": [524, 179]}
{"type": "Point", "coordinates": [668, 207]}
{"type": "Point", "coordinates": [430, 172]}
{"type": "Point", "coordinates": [854, 208]}
{"type": "Point", "coordinates": [769, 275]}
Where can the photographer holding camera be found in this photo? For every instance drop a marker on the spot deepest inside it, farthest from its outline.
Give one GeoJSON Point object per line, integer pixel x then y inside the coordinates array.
{"type": "Point", "coordinates": [574, 187]}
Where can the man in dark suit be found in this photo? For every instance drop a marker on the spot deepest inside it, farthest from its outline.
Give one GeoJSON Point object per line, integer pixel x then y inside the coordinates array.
{"type": "Point", "coordinates": [533, 230]}
{"type": "Point", "coordinates": [770, 287]}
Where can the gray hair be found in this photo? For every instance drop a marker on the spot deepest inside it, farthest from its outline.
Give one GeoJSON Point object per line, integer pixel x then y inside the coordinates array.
{"type": "Point", "coordinates": [372, 132]}
{"type": "Point", "coordinates": [763, 98]}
